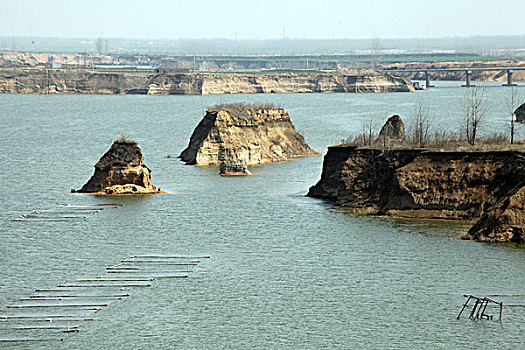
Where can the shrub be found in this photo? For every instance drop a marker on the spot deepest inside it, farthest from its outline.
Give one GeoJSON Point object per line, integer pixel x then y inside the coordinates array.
{"type": "Point", "coordinates": [242, 109]}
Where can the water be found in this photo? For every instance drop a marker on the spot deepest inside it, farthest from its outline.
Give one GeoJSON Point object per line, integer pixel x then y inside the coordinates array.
{"type": "Point", "coordinates": [286, 271]}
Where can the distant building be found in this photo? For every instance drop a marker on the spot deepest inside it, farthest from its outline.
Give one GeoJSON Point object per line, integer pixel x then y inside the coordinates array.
{"type": "Point", "coordinates": [161, 70]}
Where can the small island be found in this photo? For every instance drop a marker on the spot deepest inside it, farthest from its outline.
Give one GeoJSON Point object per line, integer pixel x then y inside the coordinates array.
{"type": "Point", "coordinates": [121, 170]}
{"type": "Point", "coordinates": [236, 135]}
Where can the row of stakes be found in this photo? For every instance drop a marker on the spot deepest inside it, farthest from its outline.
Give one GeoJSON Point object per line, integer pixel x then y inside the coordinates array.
{"type": "Point", "coordinates": [79, 300]}
{"type": "Point", "coordinates": [66, 212]}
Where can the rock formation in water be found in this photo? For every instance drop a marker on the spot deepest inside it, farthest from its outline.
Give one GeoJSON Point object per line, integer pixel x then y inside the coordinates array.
{"type": "Point", "coordinates": [393, 130]}
{"type": "Point", "coordinates": [121, 170]}
{"type": "Point", "coordinates": [503, 222]}
{"type": "Point", "coordinates": [520, 113]}
{"type": "Point", "coordinates": [230, 164]}
{"type": "Point", "coordinates": [239, 134]}
{"type": "Point", "coordinates": [54, 81]}
{"type": "Point", "coordinates": [484, 186]}
{"type": "Point", "coordinates": [233, 168]}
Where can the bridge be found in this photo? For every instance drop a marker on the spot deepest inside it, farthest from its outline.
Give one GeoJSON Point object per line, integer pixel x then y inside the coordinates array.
{"type": "Point", "coordinates": [468, 73]}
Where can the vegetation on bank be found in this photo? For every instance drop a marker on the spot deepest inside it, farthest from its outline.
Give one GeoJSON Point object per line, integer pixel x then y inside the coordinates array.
{"type": "Point", "coordinates": [112, 69]}
{"type": "Point", "coordinates": [280, 71]}
{"type": "Point", "coordinates": [441, 142]}
{"type": "Point", "coordinates": [242, 109]}
{"type": "Point", "coordinates": [421, 133]}
{"type": "Point", "coordinates": [123, 138]}
{"type": "Point", "coordinates": [387, 58]}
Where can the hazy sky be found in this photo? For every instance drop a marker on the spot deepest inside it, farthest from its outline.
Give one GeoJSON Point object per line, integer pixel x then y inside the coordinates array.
{"type": "Point", "coordinates": [255, 19]}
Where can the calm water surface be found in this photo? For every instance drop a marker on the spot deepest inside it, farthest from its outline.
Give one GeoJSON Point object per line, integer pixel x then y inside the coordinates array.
{"type": "Point", "coordinates": [286, 271]}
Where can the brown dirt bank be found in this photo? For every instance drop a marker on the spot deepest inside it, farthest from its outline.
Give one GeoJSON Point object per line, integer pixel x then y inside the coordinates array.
{"type": "Point", "coordinates": [54, 81]}
{"type": "Point", "coordinates": [485, 186]}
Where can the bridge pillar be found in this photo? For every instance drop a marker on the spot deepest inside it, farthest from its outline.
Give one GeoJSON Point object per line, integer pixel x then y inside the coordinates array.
{"type": "Point", "coordinates": [509, 78]}
{"type": "Point", "coordinates": [427, 80]}
{"type": "Point", "coordinates": [468, 73]}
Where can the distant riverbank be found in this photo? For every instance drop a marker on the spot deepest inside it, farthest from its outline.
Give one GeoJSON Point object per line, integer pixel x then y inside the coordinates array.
{"type": "Point", "coordinates": [57, 81]}
{"type": "Point", "coordinates": [480, 75]}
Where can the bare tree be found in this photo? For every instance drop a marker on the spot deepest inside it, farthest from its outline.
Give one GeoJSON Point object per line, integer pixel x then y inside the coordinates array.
{"type": "Point", "coordinates": [99, 43]}
{"type": "Point", "coordinates": [375, 52]}
{"type": "Point", "coordinates": [368, 131]}
{"type": "Point", "coordinates": [420, 126]}
{"type": "Point", "coordinates": [167, 66]}
{"type": "Point", "coordinates": [512, 105]}
{"type": "Point", "coordinates": [475, 112]}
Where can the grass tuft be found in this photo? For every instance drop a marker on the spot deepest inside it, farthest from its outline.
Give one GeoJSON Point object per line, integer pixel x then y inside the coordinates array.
{"type": "Point", "coordinates": [242, 109]}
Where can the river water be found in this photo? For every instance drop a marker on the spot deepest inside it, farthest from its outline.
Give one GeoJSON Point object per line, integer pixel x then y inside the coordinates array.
{"type": "Point", "coordinates": [286, 271]}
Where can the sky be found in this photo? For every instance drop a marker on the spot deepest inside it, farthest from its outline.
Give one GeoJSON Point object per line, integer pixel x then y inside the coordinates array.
{"type": "Point", "coordinates": [255, 19]}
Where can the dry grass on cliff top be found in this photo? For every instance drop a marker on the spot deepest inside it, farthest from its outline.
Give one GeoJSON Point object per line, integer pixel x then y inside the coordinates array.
{"type": "Point", "coordinates": [242, 109]}
{"type": "Point", "coordinates": [125, 139]}
{"type": "Point", "coordinates": [493, 143]}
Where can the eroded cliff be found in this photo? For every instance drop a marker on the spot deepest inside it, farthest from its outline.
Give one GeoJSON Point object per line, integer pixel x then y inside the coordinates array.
{"type": "Point", "coordinates": [239, 134]}
{"type": "Point", "coordinates": [369, 81]}
{"type": "Point", "coordinates": [121, 170]}
{"type": "Point", "coordinates": [53, 81]}
{"type": "Point", "coordinates": [483, 186]}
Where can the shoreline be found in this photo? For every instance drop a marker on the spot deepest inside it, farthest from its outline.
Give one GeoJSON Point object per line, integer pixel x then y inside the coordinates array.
{"type": "Point", "coordinates": [484, 188]}
{"type": "Point", "coordinates": [102, 193]}
{"type": "Point", "coordinates": [60, 81]}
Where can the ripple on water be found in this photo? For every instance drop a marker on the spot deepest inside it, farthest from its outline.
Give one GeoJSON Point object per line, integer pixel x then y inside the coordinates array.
{"type": "Point", "coordinates": [286, 271]}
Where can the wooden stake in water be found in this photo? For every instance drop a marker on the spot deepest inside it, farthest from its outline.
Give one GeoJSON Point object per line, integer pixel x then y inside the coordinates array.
{"type": "Point", "coordinates": [464, 306]}
{"type": "Point", "coordinates": [188, 258]}
{"type": "Point", "coordinates": [479, 308]}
